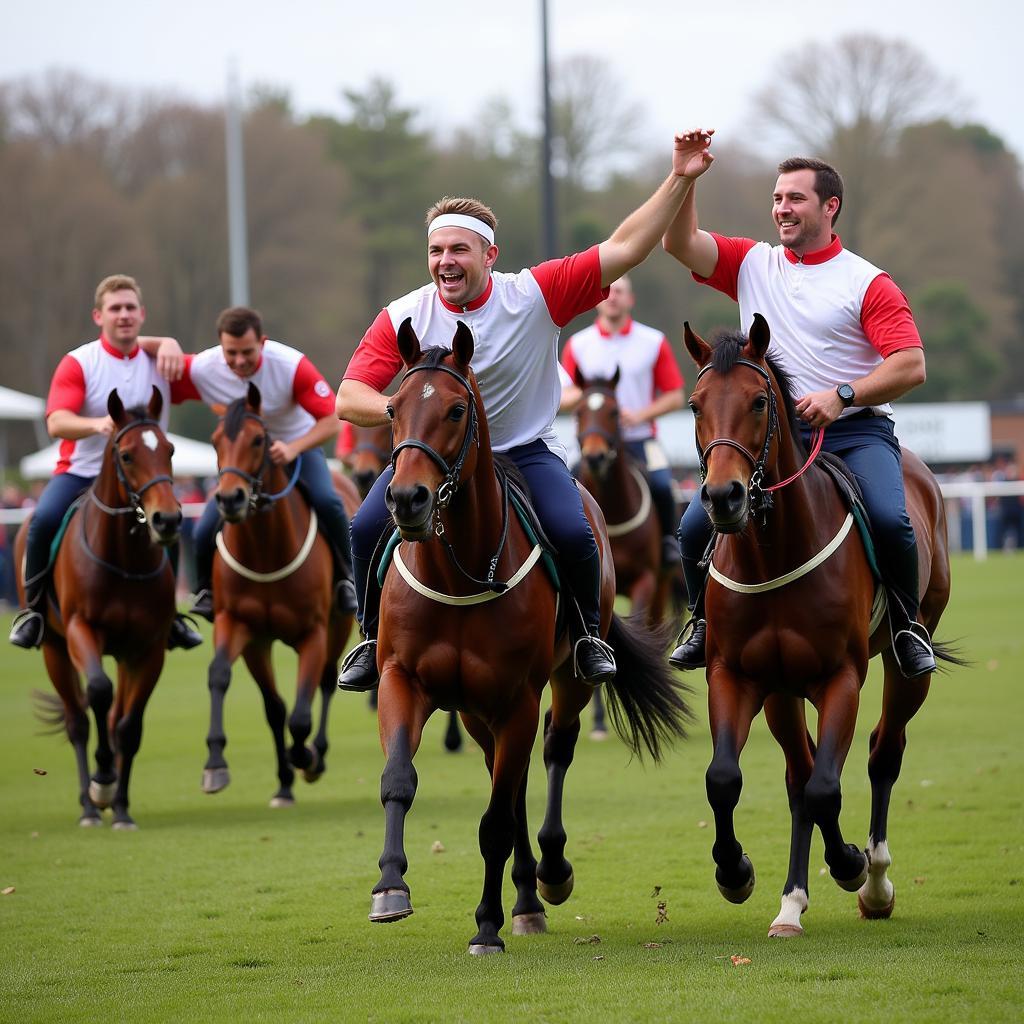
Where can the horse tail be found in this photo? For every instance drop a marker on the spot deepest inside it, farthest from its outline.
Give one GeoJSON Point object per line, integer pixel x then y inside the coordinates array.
{"type": "Point", "coordinates": [646, 701]}
{"type": "Point", "coordinates": [950, 652]}
{"type": "Point", "coordinates": [49, 709]}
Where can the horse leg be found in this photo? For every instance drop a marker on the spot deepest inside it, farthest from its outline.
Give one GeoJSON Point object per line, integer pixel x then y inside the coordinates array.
{"type": "Point", "coordinates": [328, 688]}
{"type": "Point", "coordinates": [312, 651]}
{"type": "Point", "coordinates": [732, 707]}
{"type": "Point", "coordinates": [786, 720]}
{"type": "Point", "coordinates": [837, 716]}
{"type": "Point", "coordinates": [901, 699]}
{"type": "Point", "coordinates": [135, 684]}
{"type": "Point", "coordinates": [513, 741]}
{"type": "Point", "coordinates": [65, 681]}
{"type": "Point", "coordinates": [599, 731]}
{"type": "Point", "coordinates": [401, 715]}
{"type": "Point", "coordinates": [229, 638]}
{"type": "Point", "coordinates": [85, 650]}
{"type": "Point", "coordinates": [258, 661]}
{"type": "Point", "coordinates": [561, 730]}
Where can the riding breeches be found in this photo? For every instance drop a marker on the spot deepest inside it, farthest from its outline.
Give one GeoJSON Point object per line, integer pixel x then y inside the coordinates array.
{"type": "Point", "coordinates": [54, 502]}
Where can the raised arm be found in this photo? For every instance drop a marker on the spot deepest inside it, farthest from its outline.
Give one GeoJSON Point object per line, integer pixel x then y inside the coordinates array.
{"type": "Point", "coordinates": [683, 238]}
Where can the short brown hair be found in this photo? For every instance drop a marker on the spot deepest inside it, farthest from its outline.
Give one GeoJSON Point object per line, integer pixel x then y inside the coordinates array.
{"type": "Point", "coordinates": [237, 320]}
{"type": "Point", "coordinates": [467, 207]}
{"type": "Point", "coordinates": [116, 283]}
{"type": "Point", "coordinates": [827, 180]}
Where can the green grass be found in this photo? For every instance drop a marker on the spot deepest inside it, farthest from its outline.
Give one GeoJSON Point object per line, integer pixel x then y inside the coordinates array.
{"type": "Point", "coordinates": [219, 908]}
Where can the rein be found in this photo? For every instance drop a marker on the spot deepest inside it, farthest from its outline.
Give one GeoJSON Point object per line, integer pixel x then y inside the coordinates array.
{"type": "Point", "coordinates": [258, 499]}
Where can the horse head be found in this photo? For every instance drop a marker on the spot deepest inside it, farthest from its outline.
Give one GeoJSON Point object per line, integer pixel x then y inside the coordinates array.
{"type": "Point", "coordinates": [597, 423]}
{"type": "Point", "coordinates": [141, 456]}
{"type": "Point", "coordinates": [371, 453]}
{"type": "Point", "coordinates": [243, 453]}
{"type": "Point", "coordinates": [435, 422]}
{"type": "Point", "coordinates": [735, 411]}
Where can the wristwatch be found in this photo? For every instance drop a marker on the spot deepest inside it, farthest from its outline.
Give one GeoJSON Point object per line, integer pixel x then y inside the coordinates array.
{"type": "Point", "coordinates": [846, 394]}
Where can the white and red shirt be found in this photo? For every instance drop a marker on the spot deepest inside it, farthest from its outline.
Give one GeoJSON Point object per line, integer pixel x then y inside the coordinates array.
{"type": "Point", "coordinates": [833, 316]}
{"type": "Point", "coordinates": [515, 323]}
{"type": "Point", "coordinates": [82, 384]}
{"type": "Point", "coordinates": [293, 392]}
{"type": "Point", "coordinates": [643, 358]}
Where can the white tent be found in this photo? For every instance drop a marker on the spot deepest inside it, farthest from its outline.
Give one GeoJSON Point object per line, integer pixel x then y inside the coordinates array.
{"type": "Point", "coordinates": [191, 458]}
{"type": "Point", "coordinates": [15, 405]}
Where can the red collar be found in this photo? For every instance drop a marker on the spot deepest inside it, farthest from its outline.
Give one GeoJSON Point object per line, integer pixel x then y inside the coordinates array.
{"type": "Point", "coordinates": [475, 304]}
{"type": "Point", "coordinates": [812, 259]}
{"type": "Point", "coordinates": [116, 352]}
{"type": "Point", "coordinates": [605, 333]}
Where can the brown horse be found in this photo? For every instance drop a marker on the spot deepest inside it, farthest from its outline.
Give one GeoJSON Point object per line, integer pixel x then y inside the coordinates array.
{"type": "Point", "coordinates": [371, 452]}
{"type": "Point", "coordinates": [487, 653]}
{"type": "Point", "coordinates": [621, 488]}
{"type": "Point", "coordinates": [789, 611]}
{"type": "Point", "coordinates": [273, 580]}
{"type": "Point", "coordinates": [114, 595]}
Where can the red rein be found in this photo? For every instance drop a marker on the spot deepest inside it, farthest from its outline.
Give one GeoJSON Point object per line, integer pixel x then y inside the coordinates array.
{"type": "Point", "coordinates": [817, 436]}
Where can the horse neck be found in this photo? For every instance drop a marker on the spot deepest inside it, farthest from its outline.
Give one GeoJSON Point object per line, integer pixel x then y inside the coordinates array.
{"type": "Point", "coordinates": [114, 533]}
{"type": "Point", "coordinates": [616, 492]}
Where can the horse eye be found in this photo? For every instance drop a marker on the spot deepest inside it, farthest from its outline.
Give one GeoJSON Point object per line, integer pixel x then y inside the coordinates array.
{"type": "Point", "coordinates": [126, 457]}
{"type": "Point", "coordinates": [172, 450]}
{"type": "Point", "coordinates": [760, 403]}
{"type": "Point", "coordinates": [390, 412]}
{"type": "Point", "coordinates": [457, 413]}
{"type": "Point", "coordinates": [693, 408]}
{"type": "Point", "coordinates": [257, 441]}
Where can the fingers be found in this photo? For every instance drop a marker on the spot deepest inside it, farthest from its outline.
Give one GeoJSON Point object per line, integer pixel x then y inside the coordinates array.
{"type": "Point", "coordinates": [692, 135]}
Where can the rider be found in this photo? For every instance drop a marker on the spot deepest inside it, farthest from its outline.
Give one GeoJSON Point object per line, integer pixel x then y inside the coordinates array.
{"type": "Point", "coordinates": [76, 412]}
{"type": "Point", "coordinates": [297, 406]}
{"type": "Point", "coordinates": [515, 320]}
{"type": "Point", "coordinates": [845, 334]}
{"type": "Point", "coordinates": [650, 385]}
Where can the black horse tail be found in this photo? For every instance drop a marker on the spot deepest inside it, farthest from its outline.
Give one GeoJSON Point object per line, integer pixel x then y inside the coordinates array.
{"type": "Point", "coordinates": [49, 709]}
{"type": "Point", "coordinates": [950, 652]}
{"type": "Point", "coordinates": [646, 700]}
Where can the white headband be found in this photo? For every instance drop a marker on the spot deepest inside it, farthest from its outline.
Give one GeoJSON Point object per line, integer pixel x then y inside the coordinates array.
{"type": "Point", "coordinates": [461, 220]}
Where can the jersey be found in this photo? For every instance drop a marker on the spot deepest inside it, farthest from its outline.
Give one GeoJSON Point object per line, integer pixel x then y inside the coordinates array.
{"type": "Point", "coordinates": [516, 323]}
{"type": "Point", "coordinates": [833, 315]}
{"type": "Point", "coordinates": [293, 392]}
{"type": "Point", "coordinates": [643, 358]}
{"type": "Point", "coordinates": [82, 384]}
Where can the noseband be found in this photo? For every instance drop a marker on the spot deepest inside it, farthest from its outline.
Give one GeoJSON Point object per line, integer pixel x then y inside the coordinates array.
{"type": "Point", "coordinates": [609, 438]}
{"type": "Point", "coordinates": [258, 498]}
{"type": "Point", "coordinates": [134, 496]}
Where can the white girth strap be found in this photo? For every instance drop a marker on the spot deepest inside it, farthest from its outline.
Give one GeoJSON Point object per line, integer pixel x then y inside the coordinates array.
{"type": "Point", "coordinates": [481, 598]}
{"type": "Point", "coordinates": [780, 581]}
{"type": "Point", "coordinates": [277, 574]}
{"type": "Point", "coordinates": [619, 529]}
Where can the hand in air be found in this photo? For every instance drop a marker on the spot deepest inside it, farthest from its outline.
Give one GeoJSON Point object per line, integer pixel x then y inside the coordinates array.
{"type": "Point", "coordinates": [692, 154]}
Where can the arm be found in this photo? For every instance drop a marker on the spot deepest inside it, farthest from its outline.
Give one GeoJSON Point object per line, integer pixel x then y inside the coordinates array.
{"type": "Point", "coordinates": [684, 240]}
{"type": "Point", "coordinates": [69, 426]}
{"type": "Point", "coordinates": [170, 360]}
{"type": "Point", "coordinates": [571, 396]}
{"type": "Point", "coordinates": [283, 452]}
{"type": "Point", "coordinates": [891, 379]}
{"type": "Point", "coordinates": [635, 238]}
{"type": "Point", "coordinates": [360, 404]}
{"type": "Point", "coordinates": [669, 401]}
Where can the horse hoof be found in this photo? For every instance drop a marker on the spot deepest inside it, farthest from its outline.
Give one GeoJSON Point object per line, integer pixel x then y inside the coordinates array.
{"type": "Point", "coordinates": [102, 793]}
{"type": "Point", "coordinates": [278, 800]}
{"type": "Point", "coordinates": [315, 769]}
{"type": "Point", "coordinates": [597, 735]}
{"type": "Point", "coordinates": [556, 894]}
{"type": "Point", "coordinates": [90, 821]}
{"type": "Point", "coordinates": [742, 894]}
{"type": "Point", "coordinates": [853, 884]}
{"type": "Point", "coordinates": [785, 931]}
{"type": "Point", "coordinates": [529, 924]}
{"type": "Point", "coordinates": [875, 913]}
{"type": "Point", "coordinates": [389, 905]}
{"type": "Point", "coordinates": [479, 949]}
{"type": "Point", "coordinates": [215, 779]}
{"type": "Point", "coordinates": [125, 825]}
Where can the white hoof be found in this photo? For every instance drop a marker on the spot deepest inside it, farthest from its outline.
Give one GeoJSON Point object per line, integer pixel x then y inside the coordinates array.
{"type": "Point", "coordinates": [529, 924]}
{"type": "Point", "coordinates": [215, 779]}
{"type": "Point", "coordinates": [102, 793]}
{"type": "Point", "coordinates": [282, 801]}
{"type": "Point", "coordinates": [125, 826]}
{"type": "Point", "coordinates": [478, 949]}
{"type": "Point", "coordinates": [876, 897]}
{"type": "Point", "coordinates": [90, 822]}
{"type": "Point", "coordinates": [787, 924]}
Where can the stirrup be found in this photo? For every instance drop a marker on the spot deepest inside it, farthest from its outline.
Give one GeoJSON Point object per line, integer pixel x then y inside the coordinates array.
{"type": "Point", "coordinates": [21, 622]}
{"type": "Point", "coordinates": [184, 633]}
{"type": "Point", "coordinates": [919, 649]}
{"type": "Point", "coordinates": [368, 678]}
{"type": "Point", "coordinates": [689, 652]}
{"type": "Point", "coordinates": [202, 603]}
{"type": "Point", "coordinates": [604, 675]}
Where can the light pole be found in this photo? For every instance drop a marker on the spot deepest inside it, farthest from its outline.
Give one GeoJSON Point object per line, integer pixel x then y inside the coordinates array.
{"type": "Point", "coordinates": [238, 257]}
{"type": "Point", "coordinates": [549, 225]}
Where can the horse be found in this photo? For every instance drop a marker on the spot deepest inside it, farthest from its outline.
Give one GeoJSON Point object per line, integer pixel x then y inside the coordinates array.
{"type": "Point", "coordinates": [789, 611]}
{"type": "Point", "coordinates": [273, 580]}
{"type": "Point", "coordinates": [488, 653]}
{"type": "Point", "coordinates": [113, 594]}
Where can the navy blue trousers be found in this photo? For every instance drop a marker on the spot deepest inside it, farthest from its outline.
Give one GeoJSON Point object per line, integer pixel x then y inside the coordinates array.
{"type": "Point", "coordinates": [559, 509]}
{"type": "Point", "coordinates": [868, 446]}
{"type": "Point", "coordinates": [316, 478]}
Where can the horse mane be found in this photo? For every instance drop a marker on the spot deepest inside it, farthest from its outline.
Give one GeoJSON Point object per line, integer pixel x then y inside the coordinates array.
{"type": "Point", "coordinates": [138, 412]}
{"type": "Point", "coordinates": [727, 349]}
{"type": "Point", "coordinates": [234, 418]}
{"type": "Point", "coordinates": [434, 356]}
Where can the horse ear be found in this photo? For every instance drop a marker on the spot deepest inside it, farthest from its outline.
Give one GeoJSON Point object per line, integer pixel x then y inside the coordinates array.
{"type": "Point", "coordinates": [156, 403]}
{"type": "Point", "coordinates": [578, 379]}
{"type": "Point", "coordinates": [462, 345]}
{"type": "Point", "coordinates": [115, 407]}
{"type": "Point", "coordinates": [253, 398]}
{"type": "Point", "coordinates": [408, 343]}
{"type": "Point", "coordinates": [760, 335]}
{"type": "Point", "coordinates": [615, 377]}
{"type": "Point", "coordinates": [699, 349]}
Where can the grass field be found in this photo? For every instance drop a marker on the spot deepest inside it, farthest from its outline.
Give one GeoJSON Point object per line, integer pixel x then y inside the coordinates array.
{"type": "Point", "coordinates": [219, 908]}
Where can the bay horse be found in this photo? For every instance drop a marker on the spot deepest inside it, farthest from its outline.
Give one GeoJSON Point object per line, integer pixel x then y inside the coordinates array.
{"type": "Point", "coordinates": [487, 653]}
{"type": "Point", "coordinates": [788, 607]}
{"type": "Point", "coordinates": [113, 594]}
{"type": "Point", "coordinates": [272, 580]}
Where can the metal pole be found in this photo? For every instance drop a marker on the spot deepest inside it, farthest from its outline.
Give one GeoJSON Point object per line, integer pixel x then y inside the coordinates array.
{"type": "Point", "coordinates": [549, 224]}
{"type": "Point", "coordinates": [238, 259]}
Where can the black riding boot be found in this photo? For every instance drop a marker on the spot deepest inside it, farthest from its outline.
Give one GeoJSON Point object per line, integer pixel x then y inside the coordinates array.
{"type": "Point", "coordinates": [911, 643]}
{"type": "Point", "coordinates": [28, 625]}
{"type": "Point", "coordinates": [359, 669]}
{"type": "Point", "coordinates": [668, 517]}
{"type": "Point", "coordinates": [203, 602]}
{"type": "Point", "coordinates": [593, 660]}
{"type": "Point", "coordinates": [689, 652]}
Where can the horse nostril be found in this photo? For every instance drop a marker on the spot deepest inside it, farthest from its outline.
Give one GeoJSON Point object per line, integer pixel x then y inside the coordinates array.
{"type": "Point", "coordinates": [420, 498]}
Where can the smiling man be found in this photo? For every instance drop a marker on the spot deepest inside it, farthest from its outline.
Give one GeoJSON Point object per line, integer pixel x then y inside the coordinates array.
{"type": "Point", "coordinates": [843, 331]}
{"type": "Point", "coordinates": [515, 320]}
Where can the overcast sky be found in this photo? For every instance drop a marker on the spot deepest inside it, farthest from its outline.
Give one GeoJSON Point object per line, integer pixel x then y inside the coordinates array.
{"type": "Point", "coordinates": [686, 63]}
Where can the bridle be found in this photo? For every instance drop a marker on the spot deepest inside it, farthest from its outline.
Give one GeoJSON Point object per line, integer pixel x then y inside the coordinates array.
{"type": "Point", "coordinates": [134, 496]}
{"type": "Point", "coordinates": [258, 498]}
{"type": "Point", "coordinates": [760, 496]}
{"type": "Point", "coordinates": [607, 436]}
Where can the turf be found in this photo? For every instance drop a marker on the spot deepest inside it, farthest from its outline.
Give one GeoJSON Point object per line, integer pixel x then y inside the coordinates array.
{"type": "Point", "coordinates": [220, 908]}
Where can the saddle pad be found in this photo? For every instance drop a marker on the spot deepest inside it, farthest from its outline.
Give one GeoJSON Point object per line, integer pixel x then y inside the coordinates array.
{"type": "Point", "coordinates": [63, 528]}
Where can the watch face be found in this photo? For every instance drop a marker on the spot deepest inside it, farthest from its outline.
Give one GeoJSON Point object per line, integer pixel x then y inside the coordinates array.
{"type": "Point", "coordinates": [846, 393]}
